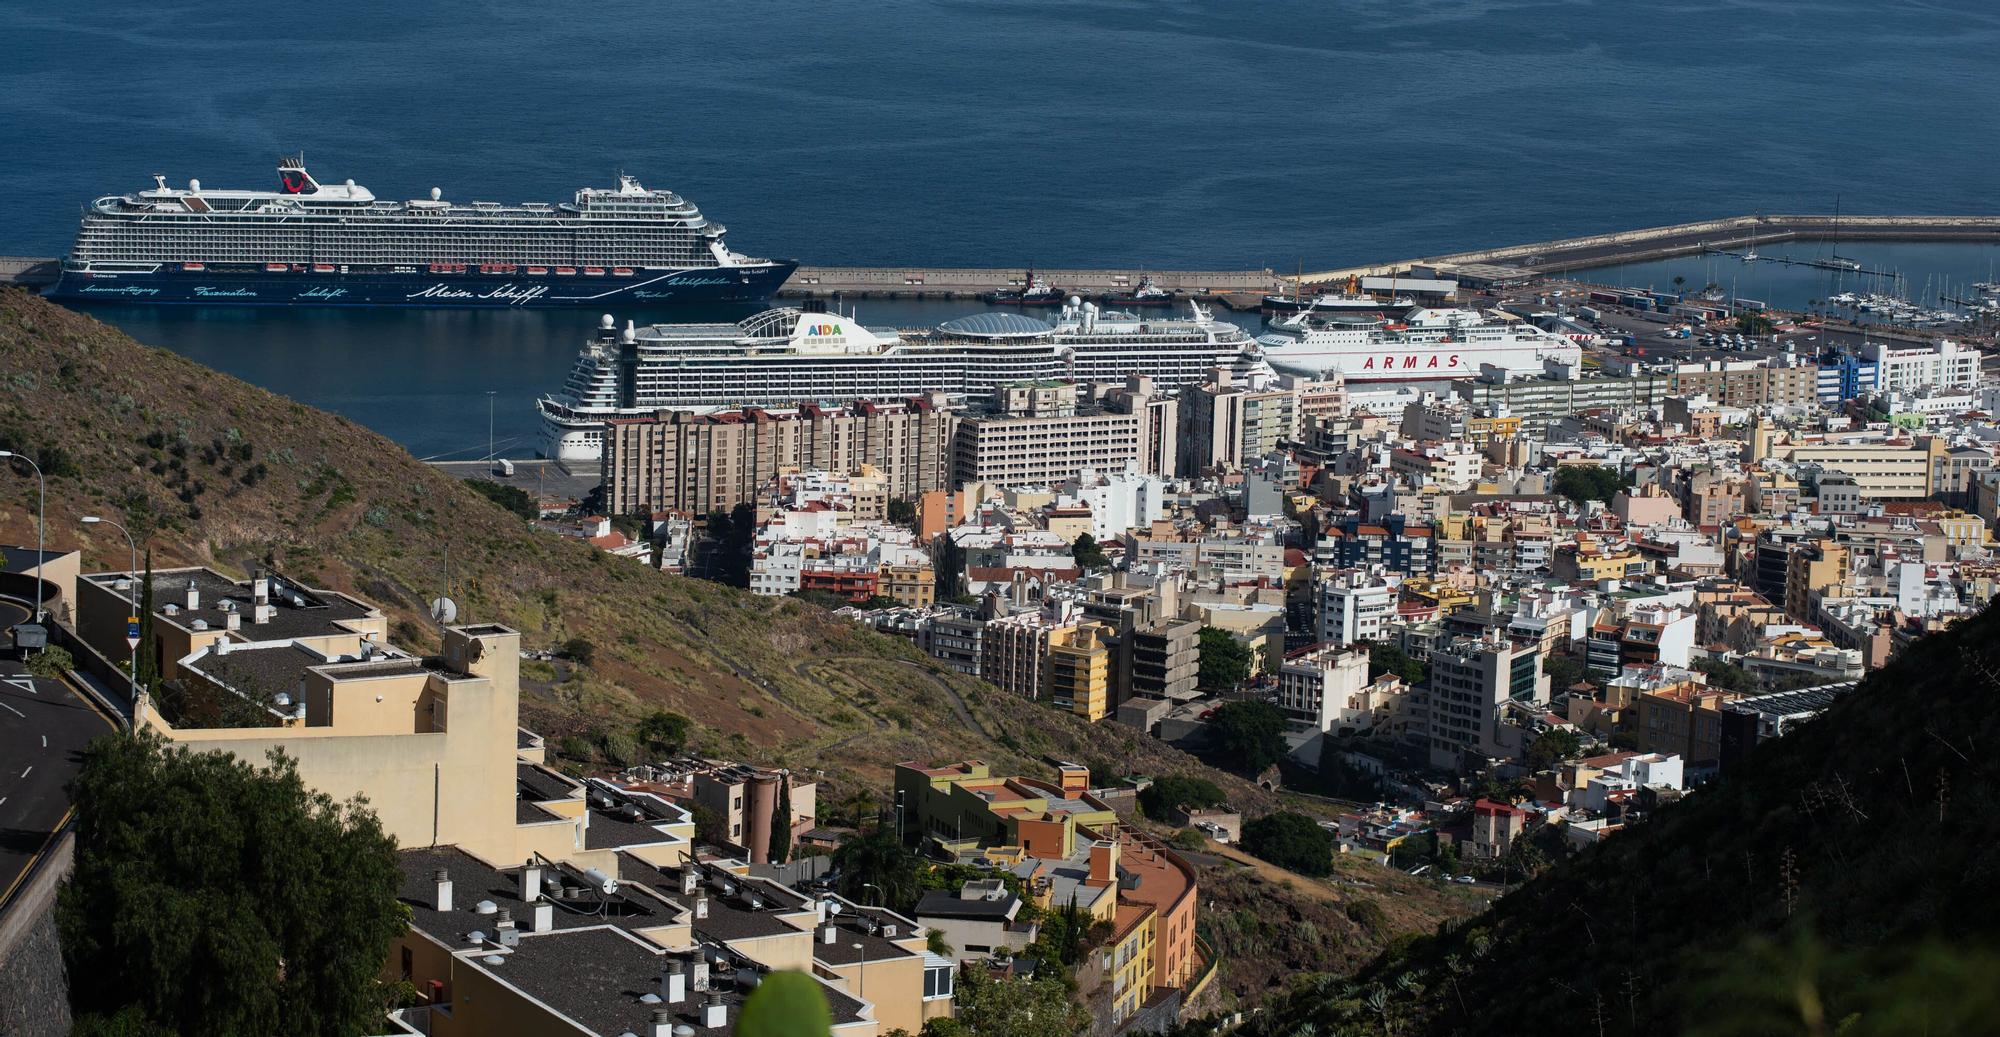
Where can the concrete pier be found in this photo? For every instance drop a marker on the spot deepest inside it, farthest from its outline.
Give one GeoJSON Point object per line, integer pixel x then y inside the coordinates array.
{"type": "Point", "coordinates": [29, 271]}
{"type": "Point", "coordinates": [968, 282]}
{"type": "Point", "coordinates": [1635, 246]}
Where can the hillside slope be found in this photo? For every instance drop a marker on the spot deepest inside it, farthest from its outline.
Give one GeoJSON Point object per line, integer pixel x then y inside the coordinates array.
{"type": "Point", "coordinates": [1845, 880]}
{"type": "Point", "coordinates": [214, 471]}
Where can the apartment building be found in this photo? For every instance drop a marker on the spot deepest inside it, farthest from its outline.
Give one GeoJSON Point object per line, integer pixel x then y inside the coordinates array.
{"type": "Point", "coordinates": [1644, 636]}
{"type": "Point", "coordinates": [1354, 606]}
{"type": "Point", "coordinates": [1080, 670]}
{"type": "Point", "coordinates": [1394, 543]}
{"type": "Point", "coordinates": [1015, 649]}
{"type": "Point", "coordinates": [1327, 686]}
{"type": "Point", "coordinates": [680, 461]}
{"type": "Point", "coordinates": [1037, 436]}
{"type": "Point", "coordinates": [1159, 422]}
{"type": "Point", "coordinates": [1882, 470]}
{"type": "Point", "coordinates": [1226, 424]}
{"type": "Point", "coordinates": [1473, 679]}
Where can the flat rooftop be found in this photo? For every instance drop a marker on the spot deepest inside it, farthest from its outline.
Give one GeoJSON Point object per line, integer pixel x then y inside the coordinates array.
{"type": "Point", "coordinates": [297, 610]}
{"type": "Point", "coordinates": [597, 976]}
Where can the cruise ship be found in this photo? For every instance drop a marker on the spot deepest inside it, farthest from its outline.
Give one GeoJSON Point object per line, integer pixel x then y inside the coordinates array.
{"type": "Point", "coordinates": [1426, 344]}
{"type": "Point", "coordinates": [787, 357]}
{"type": "Point", "coordinates": [314, 244]}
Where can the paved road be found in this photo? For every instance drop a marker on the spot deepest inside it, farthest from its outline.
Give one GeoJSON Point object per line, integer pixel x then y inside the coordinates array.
{"type": "Point", "coordinates": [44, 726]}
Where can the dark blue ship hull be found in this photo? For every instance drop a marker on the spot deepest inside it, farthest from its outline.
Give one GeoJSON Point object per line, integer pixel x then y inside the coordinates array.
{"type": "Point", "coordinates": [170, 285]}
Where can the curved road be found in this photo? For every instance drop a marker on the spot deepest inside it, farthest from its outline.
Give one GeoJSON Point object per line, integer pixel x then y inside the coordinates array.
{"type": "Point", "coordinates": [44, 726]}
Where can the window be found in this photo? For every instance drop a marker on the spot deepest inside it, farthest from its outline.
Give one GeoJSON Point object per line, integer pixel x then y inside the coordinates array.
{"type": "Point", "coordinates": [938, 981]}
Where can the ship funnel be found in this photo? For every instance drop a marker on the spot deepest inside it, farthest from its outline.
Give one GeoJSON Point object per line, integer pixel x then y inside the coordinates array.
{"type": "Point", "coordinates": [631, 333]}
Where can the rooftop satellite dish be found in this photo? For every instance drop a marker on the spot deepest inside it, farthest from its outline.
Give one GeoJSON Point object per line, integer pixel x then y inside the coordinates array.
{"type": "Point", "coordinates": [444, 610]}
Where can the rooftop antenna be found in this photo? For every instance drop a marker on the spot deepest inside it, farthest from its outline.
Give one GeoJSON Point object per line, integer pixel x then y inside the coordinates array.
{"type": "Point", "coordinates": [444, 611]}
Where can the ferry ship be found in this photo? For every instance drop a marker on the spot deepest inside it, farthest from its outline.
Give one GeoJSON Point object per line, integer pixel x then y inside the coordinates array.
{"type": "Point", "coordinates": [314, 244]}
{"type": "Point", "coordinates": [1427, 344]}
{"type": "Point", "coordinates": [787, 357]}
{"type": "Point", "coordinates": [1349, 300]}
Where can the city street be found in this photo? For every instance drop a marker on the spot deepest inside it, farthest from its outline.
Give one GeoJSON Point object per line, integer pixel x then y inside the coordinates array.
{"type": "Point", "coordinates": [44, 726]}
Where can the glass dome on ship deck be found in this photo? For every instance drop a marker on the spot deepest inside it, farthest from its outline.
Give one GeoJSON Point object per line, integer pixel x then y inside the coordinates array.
{"type": "Point", "coordinates": [997, 325]}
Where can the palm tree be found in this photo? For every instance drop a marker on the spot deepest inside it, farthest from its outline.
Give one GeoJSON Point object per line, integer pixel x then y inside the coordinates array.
{"type": "Point", "coordinates": [1679, 282]}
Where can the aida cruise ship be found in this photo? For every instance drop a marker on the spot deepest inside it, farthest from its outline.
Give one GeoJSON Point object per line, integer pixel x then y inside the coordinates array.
{"type": "Point", "coordinates": [786, 357]}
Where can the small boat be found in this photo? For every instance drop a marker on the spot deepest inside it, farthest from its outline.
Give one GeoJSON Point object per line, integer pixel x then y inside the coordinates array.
{"type": "Point", "coordinates": [622, 271]}
{"type": "Point", "coordinates": [322, 268]}
{"type": "Point", "coordinates": [276, 268]}
{"type": "Point", "coordinates": [1034, 291]}
{"type": "Point", "coordinates": [566, 271]}
{"type": "Point", "coordinates": [593, 271]}
{"type": "Point", "coordinates": [538, 270]}
{"type": "Point", "coordinates": [193, 267]}
{"type": "Point", "coordinates": [1146, 293]}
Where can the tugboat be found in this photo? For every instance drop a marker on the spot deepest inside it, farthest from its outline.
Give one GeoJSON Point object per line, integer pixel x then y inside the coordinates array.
{"type": "Point", "coordinates": [1146, 293]}
{"type": "Point", "coordinates": [1035, 291]}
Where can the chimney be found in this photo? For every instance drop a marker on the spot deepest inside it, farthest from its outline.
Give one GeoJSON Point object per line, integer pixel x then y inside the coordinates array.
{"type": "Point", "coordinates": [531, 881]}
{"type": "Point", "coordinates": [544, 917]}
{"type": "Point", "coordinates": [690, 881]}
{"type": "Point", "coordinates": [232, 620]}
{"type": "Point", "coordinates": [505, 931]}
{"type": "Point", "coordinates": [701, 907]}
{"type": "Point", "coordinates": [829, 935]}
{"type": "Point", "coordinates": [662, 1025]}
{"type": "Point", "coordinates": [443, 901]}
{"type": "Point", "coordinates": [260, 587]}
{"type": "Point", "coordinates": [1103, 864]}
{"type": "Point", "coordinates": [193, 596]}
{"type": "Point", "coordinates": [715, 1014]}
{"type": "Point", "coordinates": [673, 982]}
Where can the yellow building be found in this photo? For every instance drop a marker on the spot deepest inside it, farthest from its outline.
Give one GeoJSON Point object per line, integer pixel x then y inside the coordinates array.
{"type": "Point", "coordinates": [1437, 593]}
{"type": "Point", "coordinates": [1080, 670]}
{"type": "Point", "coordinates": [1814, 570]}
{"type": "Point", "coordinates": [1129, 959]}
{"type": "Point", "coordinates": [1479, 431]}
{"type": "Point", "coordinates": [1590, 560]}
{"type": "Point", "coordinates": [963, 806]}
{"type": "Point", "coordinates": [910, 584]}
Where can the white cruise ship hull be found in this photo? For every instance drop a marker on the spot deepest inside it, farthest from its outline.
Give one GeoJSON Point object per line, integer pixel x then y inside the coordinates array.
{"type": "Point", "coordinates": [1408, 363]}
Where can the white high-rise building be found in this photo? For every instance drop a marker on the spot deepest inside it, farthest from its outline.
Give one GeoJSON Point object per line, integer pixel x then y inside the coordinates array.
{"type": "Point", "coordinates": [1326, 687]}
{"type": "Point", "coordinates": [1354, 606]}
{"type": "Point", "coordinates": [1472, 680]}
{"type": "Point", "coordinates": [1118, 500]}
{"type": "Point", "coordinates": [1944, 364]}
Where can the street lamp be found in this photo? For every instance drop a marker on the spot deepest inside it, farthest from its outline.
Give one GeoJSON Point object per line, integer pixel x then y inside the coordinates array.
{"type": "Point", "coordinates": [41, 523]}
{"type": "Point", "coordinates": [131, 592]}
{"type": "Point", "coordinates": [879, 897]}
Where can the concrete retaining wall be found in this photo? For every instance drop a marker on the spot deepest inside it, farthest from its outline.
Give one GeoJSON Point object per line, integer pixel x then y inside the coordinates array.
{"type": "Point", "coordinates": [34, 990]}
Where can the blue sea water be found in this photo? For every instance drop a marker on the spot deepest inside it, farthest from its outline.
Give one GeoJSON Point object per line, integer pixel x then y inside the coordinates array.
{"type": "Point", "coordinates": [952, 132]}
